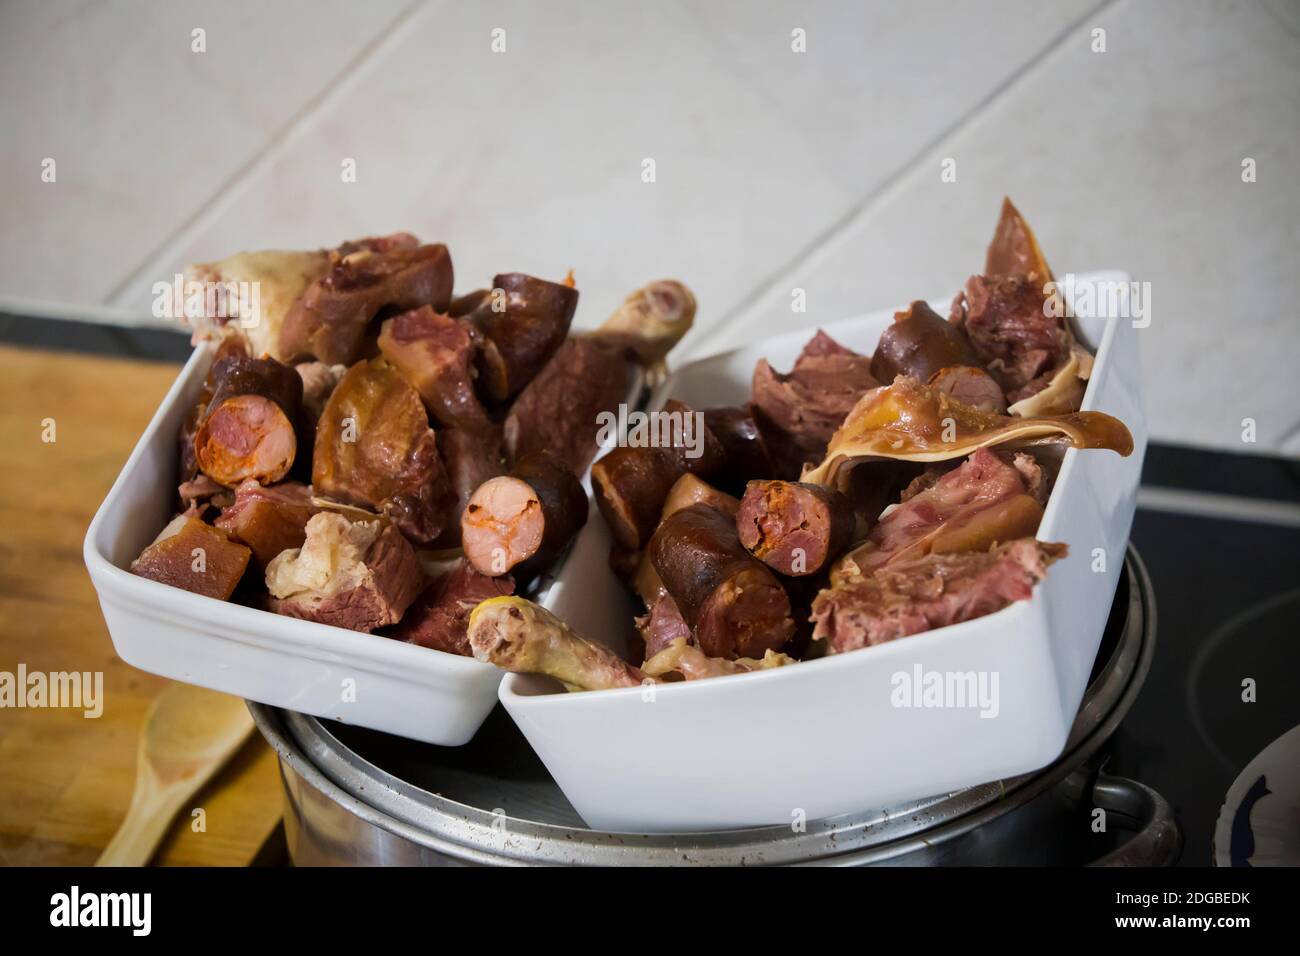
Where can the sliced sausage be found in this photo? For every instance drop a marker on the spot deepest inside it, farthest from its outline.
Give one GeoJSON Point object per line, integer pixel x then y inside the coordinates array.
{"type": "Point", "coordinates": [247, 429]}
{"type": "Point", "coordinates": [523, 324]}
{"type": "Point", "coordinates": [794, 528]}
{"type": "Point", "coordinates": [524, 520]}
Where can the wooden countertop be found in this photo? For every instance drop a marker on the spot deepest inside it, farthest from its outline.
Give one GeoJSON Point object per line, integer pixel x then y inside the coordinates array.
{"type": "Point", "coordinates": [66, 780]}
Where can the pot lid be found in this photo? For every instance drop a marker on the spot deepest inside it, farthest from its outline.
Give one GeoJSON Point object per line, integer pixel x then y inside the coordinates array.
{"type": "Point", "coordinates": [492, 800]}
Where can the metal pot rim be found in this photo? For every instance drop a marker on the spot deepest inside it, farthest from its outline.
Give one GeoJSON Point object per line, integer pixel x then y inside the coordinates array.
{"type": "Point", "coordinates": [475, 835]}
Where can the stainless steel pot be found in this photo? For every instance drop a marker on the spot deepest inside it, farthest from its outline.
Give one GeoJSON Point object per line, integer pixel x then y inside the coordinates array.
{"type": "Point", "coordinates": [354, 796]}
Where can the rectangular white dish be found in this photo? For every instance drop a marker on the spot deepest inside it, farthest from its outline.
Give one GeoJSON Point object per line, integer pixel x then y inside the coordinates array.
{"type": "Point", "coordinates": [825, 737]}
{"type": "Point", "coordinates": [364, 679]}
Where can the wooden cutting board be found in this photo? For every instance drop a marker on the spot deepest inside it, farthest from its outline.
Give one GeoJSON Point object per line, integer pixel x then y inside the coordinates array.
{"type": "Point", "coordinates": [66, 780]}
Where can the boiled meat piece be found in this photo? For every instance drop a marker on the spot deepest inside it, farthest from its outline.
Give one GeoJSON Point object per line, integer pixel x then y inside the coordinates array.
{"type": "Point", "coordinates": [361, 575]}
{"type": "Point", "coordinates": [910, 528]}
{"type": "Point", "coordinates": [930, 592]}
{"type": "Point", "coordinates": [559, 411]}
{"type": "Point", "coordinates": [800, 411]}
{"type": "Point", "coordinates": [439, 618]}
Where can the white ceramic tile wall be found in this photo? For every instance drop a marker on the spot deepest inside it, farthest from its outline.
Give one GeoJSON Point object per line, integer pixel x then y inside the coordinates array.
{"type": "Point", "coordinates": [143, 131]}
{"type": "Point", "coordinates": [774, 168]}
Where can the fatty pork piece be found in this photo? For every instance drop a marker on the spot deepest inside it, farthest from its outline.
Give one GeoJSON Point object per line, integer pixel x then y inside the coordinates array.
{"type": "Point", "coordinates": [795, 529]}
{"type": "Point", "coordinates": [517, 635]}
{"type": "Point", "coordinates": [361, 575]}
{"type": "Point", "coordinates": [1014, 249]}
{"type": "Point", "coordinates": [374, 449]}
{"type": "Point", "coordinates": [799, 412]}
{"type": "Point", "coordinates": [439, 618]}
{"type": "Point", "coordinates": [524, 520]}
{"type": "Point", "coordinates": [908, 421]}
{"type": "Point", "coordinates": [632, 482]}
{"type": "Point", "coordinates": [281, 278]}
{"type": "Point", "coordinates": [246, 430]}
{"type": "Point", "coordinates": [435, 353]}
{"type": "Point", "coordinates": [919, 343]}
{"type": "Point", "coordinates": [560, 410]}
{"type": "Point", "coordinates": [268, 519]}
{"type": "Point", "coordinates": [690, 663]}
{"type": "Point", "coordinates": [194, 556]}
{"type": "Point", "coordinates": [982, 502]}
{"type": "Point", "coordinates": [329, 320]}
{"type": "Point", "coordinates": [523, 320]}
{"type": "Point", "coordinates": [929, 592]}
{"type": "Point", "coordinates": [732, 602]}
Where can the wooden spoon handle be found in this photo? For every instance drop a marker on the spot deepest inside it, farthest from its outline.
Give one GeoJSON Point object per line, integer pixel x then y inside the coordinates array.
{"type": "Point", "coordinates": [144, 827]}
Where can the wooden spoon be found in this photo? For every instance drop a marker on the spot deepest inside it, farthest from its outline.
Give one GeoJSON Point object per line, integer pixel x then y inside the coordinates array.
{"type": "Point", "coordinates": [189, 733]}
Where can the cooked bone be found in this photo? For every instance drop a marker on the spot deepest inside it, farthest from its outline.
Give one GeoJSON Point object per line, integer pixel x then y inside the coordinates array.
{"type": "Point", "coordinates": [520, 636]}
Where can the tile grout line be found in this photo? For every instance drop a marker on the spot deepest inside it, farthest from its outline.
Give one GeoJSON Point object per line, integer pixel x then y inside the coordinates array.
{"type": "Point", "coordinates": [225, 192]}
{"type": "Point", "coordinates": [1281, 21]}
{"type": "Point", "coordinates": [828, 239]}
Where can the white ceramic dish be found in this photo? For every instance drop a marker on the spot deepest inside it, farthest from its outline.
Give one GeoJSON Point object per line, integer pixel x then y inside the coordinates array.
{"type": "Point", "coordinates": [364, 679]}
{"type": "Point", "coordinates": [824, 737]}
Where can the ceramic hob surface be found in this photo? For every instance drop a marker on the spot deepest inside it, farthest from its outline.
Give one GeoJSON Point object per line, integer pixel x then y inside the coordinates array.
{"type": "Point", "coordinates": [1220, 536]}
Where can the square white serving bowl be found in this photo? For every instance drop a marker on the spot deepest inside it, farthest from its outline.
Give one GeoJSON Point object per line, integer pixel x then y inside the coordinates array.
{"type": "Point", "coordinates": [364, 679]}
{"type": "Point", "coordinates": [825, 737]}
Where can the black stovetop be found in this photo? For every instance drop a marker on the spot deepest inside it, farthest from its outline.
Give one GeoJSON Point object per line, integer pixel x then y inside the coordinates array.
{"type": "Point", "coordinates": [1228, 604]}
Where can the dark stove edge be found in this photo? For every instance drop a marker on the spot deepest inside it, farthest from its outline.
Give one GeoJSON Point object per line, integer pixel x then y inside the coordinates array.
{"type": "Point", "coordinates": [94, 338]}
{"type": "Point", "coordinates": [1244, 475]}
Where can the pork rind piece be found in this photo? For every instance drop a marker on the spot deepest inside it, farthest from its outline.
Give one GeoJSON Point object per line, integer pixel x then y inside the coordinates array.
{"type": "Point", "coordinates": [909, 421]}
{"type": "Point", "coordinates": [194, 556]}
{"type": "Point", "coordinates": [361, 575]}
{"type": "Point", "coordinates": [374, 449]}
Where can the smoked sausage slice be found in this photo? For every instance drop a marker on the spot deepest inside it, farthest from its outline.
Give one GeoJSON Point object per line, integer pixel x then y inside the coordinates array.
{"type": "Point", "coordinates": [524, 520]}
